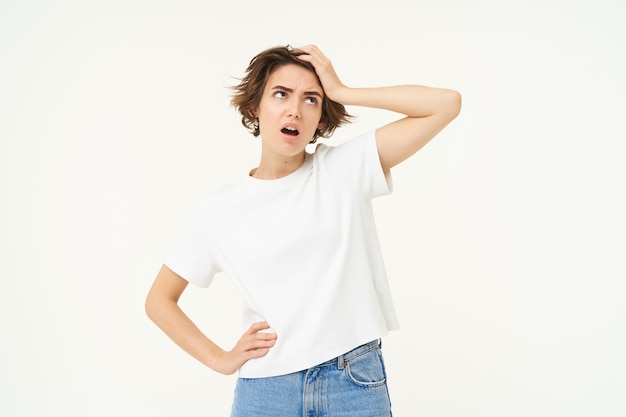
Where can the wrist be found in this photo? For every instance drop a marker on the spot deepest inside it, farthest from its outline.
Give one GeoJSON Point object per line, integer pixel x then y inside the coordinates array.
{"type": "Point", "coordinates": [340, 94]}
{"type": "Point", "coordinates": [214, 357]}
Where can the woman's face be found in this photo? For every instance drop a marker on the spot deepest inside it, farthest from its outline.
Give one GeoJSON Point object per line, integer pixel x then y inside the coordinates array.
{"type": "Point", "coordinates": [290, 110]}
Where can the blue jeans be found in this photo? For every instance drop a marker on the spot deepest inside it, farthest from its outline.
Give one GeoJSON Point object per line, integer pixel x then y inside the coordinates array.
{"type": "Point", "coordinates": [351, 385]}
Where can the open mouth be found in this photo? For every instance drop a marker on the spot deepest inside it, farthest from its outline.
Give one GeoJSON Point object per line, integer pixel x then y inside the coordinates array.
{"type": "Point", "coordinates": [291, 131]}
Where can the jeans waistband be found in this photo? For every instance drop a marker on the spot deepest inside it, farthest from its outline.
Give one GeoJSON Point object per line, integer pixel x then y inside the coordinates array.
{"type": "Point", "coordinates": [342, 360]}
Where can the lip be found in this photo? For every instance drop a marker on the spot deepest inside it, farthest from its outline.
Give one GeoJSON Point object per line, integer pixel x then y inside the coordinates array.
{"type": "Point", "coordinates": [290, 139]}
{"type": "Point", "coordinates": [292, 125]}
{"type": "Point", "coordinates": [287, 137]}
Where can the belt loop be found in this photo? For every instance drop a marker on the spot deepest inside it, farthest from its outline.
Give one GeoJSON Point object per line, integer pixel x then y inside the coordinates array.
{"type": "Point", "coordinates": [340, 362]}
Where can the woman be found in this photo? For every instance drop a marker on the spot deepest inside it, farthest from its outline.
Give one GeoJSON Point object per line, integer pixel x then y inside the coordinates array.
{"type": "Point", "coordinates": [297, 237]}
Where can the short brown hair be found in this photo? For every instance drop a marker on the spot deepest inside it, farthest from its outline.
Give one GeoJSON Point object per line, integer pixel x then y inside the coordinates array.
{"type": "Point", "coordinates": [247, 94]}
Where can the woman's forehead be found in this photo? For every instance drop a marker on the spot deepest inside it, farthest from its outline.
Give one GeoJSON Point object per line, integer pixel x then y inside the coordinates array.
{"type": "Point", "coordinates": [294, 77]}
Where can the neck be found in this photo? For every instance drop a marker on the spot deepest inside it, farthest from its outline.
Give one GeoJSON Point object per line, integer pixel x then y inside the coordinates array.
{"type": "Point", "coordinates": [277, 167]}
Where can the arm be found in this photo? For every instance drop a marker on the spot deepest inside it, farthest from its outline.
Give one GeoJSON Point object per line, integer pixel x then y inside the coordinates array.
{"type": "Point", "coordinates": [162, 308]}
{"type": "Point", "coordinates": [428, 110]}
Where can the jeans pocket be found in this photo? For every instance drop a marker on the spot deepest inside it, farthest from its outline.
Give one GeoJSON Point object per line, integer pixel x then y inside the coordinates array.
{"type": "Point", "coordinates": [367, 370]}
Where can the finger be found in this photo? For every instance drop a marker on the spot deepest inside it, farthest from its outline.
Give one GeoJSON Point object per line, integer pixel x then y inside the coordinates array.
{"type": "Point", "coordinates": [260, 339]}
{"type": "Point", "coordinates": [265, 336]}
{"type": "Point", "coordinates": [306, 48]}
{"type": "Point", "coordinates": [258, 336]}
{"type": "Point", "coordinates": [258, 326]}
{"type": "Point", "coordinates": [256, 344]}
{"type": "Point", "coordinates": [251, 354]}
{"type": "Point", "coordinates": [311, 52]}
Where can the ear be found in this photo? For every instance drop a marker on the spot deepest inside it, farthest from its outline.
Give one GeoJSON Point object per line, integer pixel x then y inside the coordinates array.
{"type": "Point", "coordinates": [320, 124]}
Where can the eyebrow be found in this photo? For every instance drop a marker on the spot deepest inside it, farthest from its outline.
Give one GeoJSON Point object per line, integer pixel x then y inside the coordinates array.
{"type": "Point", "coordinates": [290, 90]}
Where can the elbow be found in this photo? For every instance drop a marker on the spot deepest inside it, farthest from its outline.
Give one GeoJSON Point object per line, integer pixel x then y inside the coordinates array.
{"type": "Point", "coordinates": [453, 103]}
{"type": "Point", "coordinates": [159, 306]}
{"type": "Point", "coordinates": [149, 307]}
{"type": "Point", "coordinates": [153, 307]}
{"type": "Point", "coordinates": [163, 295]}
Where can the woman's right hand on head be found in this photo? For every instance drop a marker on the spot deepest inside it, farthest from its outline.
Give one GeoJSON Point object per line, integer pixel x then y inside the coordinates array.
{"type": "Point", "coordinates": [253, 344]}
{"type": "Point", "coordinates": [331, 83]}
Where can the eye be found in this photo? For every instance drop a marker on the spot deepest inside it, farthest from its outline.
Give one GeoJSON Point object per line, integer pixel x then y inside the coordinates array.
{"type": "Point", "coordinates": [311, 100]}
{"type": "Point", "coordinates": [280, 94]}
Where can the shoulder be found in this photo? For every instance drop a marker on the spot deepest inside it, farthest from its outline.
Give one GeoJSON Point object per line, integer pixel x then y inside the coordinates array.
{"type": "Point", "coordinates": [352, 161]}
{"type": "Point", "coordinates": [356, 144]}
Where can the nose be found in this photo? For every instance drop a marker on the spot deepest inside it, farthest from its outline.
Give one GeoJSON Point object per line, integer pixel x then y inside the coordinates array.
{"type": "Point", "coordinates": [294, 111]}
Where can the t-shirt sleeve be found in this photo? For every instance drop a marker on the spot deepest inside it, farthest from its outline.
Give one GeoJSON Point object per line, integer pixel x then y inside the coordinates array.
{"type": "Point", "coordinates": [357, 162]}
{"type": "Point", "coordinates": [193, 255]}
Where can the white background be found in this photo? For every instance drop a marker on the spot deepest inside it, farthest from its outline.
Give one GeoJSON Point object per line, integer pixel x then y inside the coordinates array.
{"type": "Point", "coordinates": [505, 238]}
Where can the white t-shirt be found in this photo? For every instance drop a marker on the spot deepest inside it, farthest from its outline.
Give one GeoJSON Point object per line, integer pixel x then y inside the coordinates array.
{"type": "Point", "coordinates": [304, 252]}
